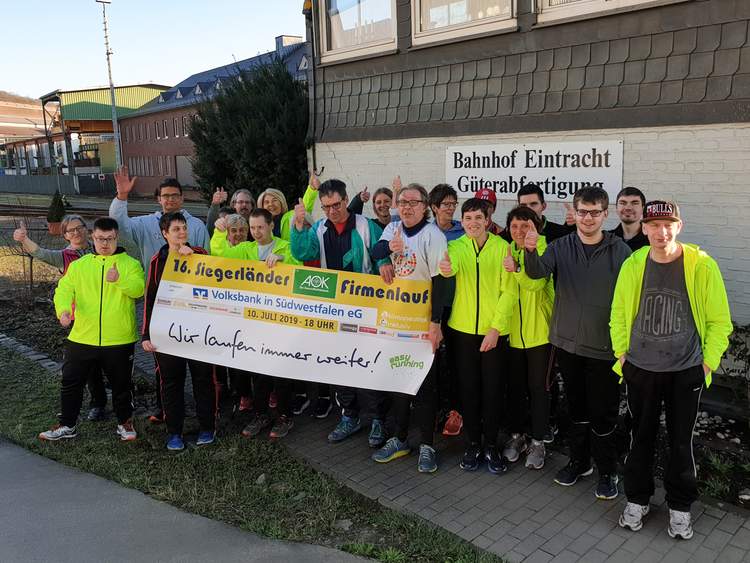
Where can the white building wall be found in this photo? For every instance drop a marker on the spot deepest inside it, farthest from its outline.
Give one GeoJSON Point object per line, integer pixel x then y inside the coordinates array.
{"type": "Point", "coordinates": [706, 169]}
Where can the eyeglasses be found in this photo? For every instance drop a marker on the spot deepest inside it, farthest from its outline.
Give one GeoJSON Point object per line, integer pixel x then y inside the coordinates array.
{"type": "Point", "coordinates": [449, 204]}
{"type": "Point", "coordinates": [171, 196]}
{"type": "Point", "coordinates": [333, 207]}
{"type": "Point", "coordinates": [593, 212]}
{"type": "Point", "coordinates": [410, 203]}
{"type": "Point", "coordinates": [78, 229]}
{"type": "Point", "coordinates": [105, 240]}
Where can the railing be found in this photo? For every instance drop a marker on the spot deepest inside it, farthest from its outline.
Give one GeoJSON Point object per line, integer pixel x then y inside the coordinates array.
{"type": "Point", "coordinates": [39, 184]}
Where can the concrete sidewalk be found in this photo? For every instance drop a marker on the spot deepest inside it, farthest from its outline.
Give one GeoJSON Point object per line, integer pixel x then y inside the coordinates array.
{"type": "Point", "coordinates": [50, 512]}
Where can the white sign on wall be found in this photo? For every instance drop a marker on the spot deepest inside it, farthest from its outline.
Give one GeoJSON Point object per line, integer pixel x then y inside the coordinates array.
{"type": "Point", "coordinates": [560, 169]}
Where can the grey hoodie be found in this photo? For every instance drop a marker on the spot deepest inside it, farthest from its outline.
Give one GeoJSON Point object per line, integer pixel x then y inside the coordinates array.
{"type": "Point", "coordinates": [583, 292]}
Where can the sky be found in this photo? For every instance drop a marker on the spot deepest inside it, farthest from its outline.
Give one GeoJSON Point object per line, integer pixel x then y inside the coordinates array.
{"type": "Point", "coordinates": [60, 45]}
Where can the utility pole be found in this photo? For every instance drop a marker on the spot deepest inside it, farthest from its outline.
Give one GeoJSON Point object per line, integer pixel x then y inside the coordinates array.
{"type": "Point", "coordinates": [115, 126]}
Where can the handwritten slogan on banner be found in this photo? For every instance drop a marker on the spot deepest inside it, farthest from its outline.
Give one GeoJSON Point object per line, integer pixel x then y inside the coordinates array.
{"type": "Point", "coordinates": [290, 321]}
{"type": "Point", "coordinates": [560, 169]}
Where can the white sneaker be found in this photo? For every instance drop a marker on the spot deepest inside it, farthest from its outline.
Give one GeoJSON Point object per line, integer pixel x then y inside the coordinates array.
{"type": "Point", "coordinates": [58, 432]}
{"type": "Point", "coordinates": [680, 525]}
{"type": "Point", "coordinates": [126, 432]}
{"type": "Point", "coordinates": [632, 516]}
{"type": "Point", "coordinates": [514, 447]}
{"type": "Point", "coordinates": [535, 455]}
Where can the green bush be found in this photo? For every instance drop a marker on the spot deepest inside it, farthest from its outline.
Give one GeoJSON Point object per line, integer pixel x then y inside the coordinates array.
{"type": "Point", "coordinates": [56, 210]}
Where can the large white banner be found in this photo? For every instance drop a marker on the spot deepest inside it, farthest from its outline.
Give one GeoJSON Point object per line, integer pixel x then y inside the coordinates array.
{"type": "Point", "coordinates": [560, 169]}
{"type": "Point", "coordinates": [301, 323]}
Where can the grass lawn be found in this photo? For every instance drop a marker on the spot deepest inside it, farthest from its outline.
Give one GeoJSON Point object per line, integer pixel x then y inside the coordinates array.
{"type": "Point", "coordinates": [254, 485]}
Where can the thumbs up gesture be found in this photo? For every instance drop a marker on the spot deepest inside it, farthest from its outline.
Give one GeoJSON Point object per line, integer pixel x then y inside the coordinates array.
{"type": "Point", "coordinates": [446, 268]}
{"type": "Point", "coordinates": [112, 274]}
{"type": "Point", "coordinates": [570, 214]}
{"type": "Point", "coordinates": [314, 181]}
{"type": "Point", "coordinates": [397, 242]}
{"type": "Point", "coordinates": [364, 195]}
{"type": "Point", "coordinates": [219, 197]}
{"type": "Point", "coordinates": [509, 262]}
{"type": "Point", "coordinates": [299, 215]}
{"type": "Point", "coordinates": [532, 237]}
{"type": "Point", "coordinates": [19, 235]}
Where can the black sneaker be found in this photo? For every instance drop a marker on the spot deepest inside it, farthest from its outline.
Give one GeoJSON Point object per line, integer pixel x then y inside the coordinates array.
{"type": "Point", "coordinates": [300, 404]}
{"type": "Point", "coordinates": [569, 474]}
{"type": "Point", "coordinates": [495, 462]}
{"type": "Point", "coordinates": [322, 407]}
{"type": "Point", "coordinates": [472, 456]}
{"type": "Point", "coordinates": [607, 487]}
{"type": "Point", "coordinates": [549, 436]}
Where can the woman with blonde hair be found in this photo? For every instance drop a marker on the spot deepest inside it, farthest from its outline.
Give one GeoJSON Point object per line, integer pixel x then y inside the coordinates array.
{"type": "Point", "coordinates": [274, 201]}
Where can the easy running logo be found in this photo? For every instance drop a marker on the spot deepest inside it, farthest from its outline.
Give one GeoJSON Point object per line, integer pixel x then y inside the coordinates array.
{"type": "Point", "coordinates": [315, 283]}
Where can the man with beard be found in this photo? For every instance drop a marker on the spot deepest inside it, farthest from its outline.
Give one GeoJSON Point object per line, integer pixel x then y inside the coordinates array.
{"type": "Point", "coordinates": [630, 204]}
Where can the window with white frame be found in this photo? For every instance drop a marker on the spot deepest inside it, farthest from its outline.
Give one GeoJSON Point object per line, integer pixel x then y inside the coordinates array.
{"type": "Point", "coordinates": [156, 130]}
{"type": "Point", "coordinates": [168, 160]}
{"type": "Point", "coordinates": [160, 165]}
{"type": "Point", "coordinates": [563, 10]}
{"type": "Point", "coordinates": [444, 20]}
{"type": "Point", "coordinates": [185, 125]}
{"type": "Point", "coordinates": [165, 129]}
{"type": "Point", "coordinates": [354, 28]}
{"type": "Point", "coordinates": [175, 126]}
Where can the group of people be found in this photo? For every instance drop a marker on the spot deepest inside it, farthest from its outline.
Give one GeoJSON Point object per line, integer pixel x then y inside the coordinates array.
{"type": "Point", "coordinates": [511, 305]}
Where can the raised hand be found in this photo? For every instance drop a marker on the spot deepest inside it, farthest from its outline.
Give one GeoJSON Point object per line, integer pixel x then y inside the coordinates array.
{"type": "Point", "coordinates": [219, 197]}
{"type": "Point", "coordinates": [532, 237]}
{"type": "Point", "coordinates": [446, 268]}
{"type": "Point", "coordinates": [66, 318]}
{"type": "Point", "coordinates": [509, 262]}
{"type": "Point", "coordinates": [364, 195]}
{"type": "Point", "coordinates": [221, 224]}
{"type": "Point", "coordinates": [112, 274]}
{"type": "Point", "coordinates": [20, 234]}
{"type": "Point", "coordinates": [124, 183]}
{"type": "Point", "coordinates": [397, 242]}
{"type": "Point", "coordinates": [299, 215]}
{"type": "Point", "coordinates": [314, 181]}
{"type": "Point", "coordinates": [570, 214]}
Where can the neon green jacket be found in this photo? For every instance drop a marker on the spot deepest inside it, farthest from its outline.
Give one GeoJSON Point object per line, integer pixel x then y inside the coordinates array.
{"type": "Point", "coordinates": [479, 281]}
{"type": "Point", "coordinates": [525, 306]}
{"type": "Point", "coordinates": [708, 302]}
{"type": "Point", "coordinates": [308, 200]}
{"type": "Point", "coordinates": [105, 311]}
{"type": "Point", "coordinates": [248, 250]}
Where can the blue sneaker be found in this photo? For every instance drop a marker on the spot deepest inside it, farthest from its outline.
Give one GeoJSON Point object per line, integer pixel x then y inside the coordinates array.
{"type": "Point", "coordinates": [345, 428]}
{"type": "Point", "coordinates": [393, 449]}
{"type": "Point", "coordinates": [427, 459]}
{"type": "Point", "coordinates": [175, 443]}
{"type": "Point", "coordinates": [377, 435]}
{"type": "Point", "coordinates": [205, 438]}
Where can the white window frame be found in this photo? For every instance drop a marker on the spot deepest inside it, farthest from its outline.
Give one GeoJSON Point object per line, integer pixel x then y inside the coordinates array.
{"type": "Point", "coordinates": [165, 129]}
{"type": "Point", "coordinates": [584, 9]}
{"type": "Point", "coordinates": [175, 126]}
{"type": "Point", "coordinates": [168, 164]}
{"type": "Point", "coordinates": [485, 26]}
{"type": "Point", "coordinates": [185, 125]}
{"type": "Point", "coordinates": [356, 51]}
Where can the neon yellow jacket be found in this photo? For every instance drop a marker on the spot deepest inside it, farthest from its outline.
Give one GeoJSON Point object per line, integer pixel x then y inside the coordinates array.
{"type": "Point", "coordinates": [708, 302]}
{"type": "Point", "coordinates": [105, 311]}
{"type": "Point", "coordinates": [308, 200]}
{"type": "Point", "coordinates": [479, 281]}
{"type": "Point", "coordinates": [525, 306]}
{"type": "Point", "coordinates": [248, 250]}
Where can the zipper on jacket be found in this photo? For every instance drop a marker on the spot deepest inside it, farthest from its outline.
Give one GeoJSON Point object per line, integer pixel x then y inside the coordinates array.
{"type": "Point", "coordinates": [477, 250]}
{"type": "Point", "coordinates": [101, 301]}
{"type": "Point", "coordinates": [520, 317]}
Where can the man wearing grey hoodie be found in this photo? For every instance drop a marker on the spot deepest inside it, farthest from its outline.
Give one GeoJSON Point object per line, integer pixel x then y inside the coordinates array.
{"type": "Point", "coordinates": [145, 231]}
{"type": "Point", "coordinates": [585, 265]}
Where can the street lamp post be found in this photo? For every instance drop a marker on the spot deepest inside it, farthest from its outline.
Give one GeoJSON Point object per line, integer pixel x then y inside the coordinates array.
{"type": "Point", "coordinates": [115, 126]}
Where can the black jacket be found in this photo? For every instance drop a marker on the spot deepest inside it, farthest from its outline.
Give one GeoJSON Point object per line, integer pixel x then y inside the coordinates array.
{"type": "Point", "coordinates": [638, 241]}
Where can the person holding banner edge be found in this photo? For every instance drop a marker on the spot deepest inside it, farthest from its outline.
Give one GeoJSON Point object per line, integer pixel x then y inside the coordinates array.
{"type": "Point", "coordinates": [411, 249]}
{"type": "Point", "coordinates": [172, 369]}
{"type": "Point", "coordinates": [342, 241]}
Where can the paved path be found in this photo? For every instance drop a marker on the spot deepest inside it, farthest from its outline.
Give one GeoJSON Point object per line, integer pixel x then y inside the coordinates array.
{"type": "Point", "coordinates": [50, 512]}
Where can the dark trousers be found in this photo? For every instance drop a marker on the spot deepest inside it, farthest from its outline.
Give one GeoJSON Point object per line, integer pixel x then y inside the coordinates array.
{"type": "Point", "coordinates": [80, 359]}
{"type": "Point", "coordinates": [95, 384]}
{"type": "Point", "coordinates": [480, 381]}
{"type": "Point", "coordinates": [592, 390]}
{"type": "Point", "coordinates": [264, 384]}
{"type": "Point", "coordinates": [449, 396]}
{"type": "Point", "coordinates": [241, 382]}
{"type": "Point", "coordinates": [352, 401]}
{"type": "Point", "coordinates": [680, 392]}
{"type": "Point", "coordinates": [425, 407]}
{"type": "Point", "coordinates": [527, 389]}
{"type": "Point", "coordinates": [173, 371]}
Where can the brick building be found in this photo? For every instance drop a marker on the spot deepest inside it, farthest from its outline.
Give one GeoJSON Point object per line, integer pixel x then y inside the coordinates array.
{"type": "Point", "coordinates": [400, 86]}
{"type": "Point", "coordinates": [155, 139]}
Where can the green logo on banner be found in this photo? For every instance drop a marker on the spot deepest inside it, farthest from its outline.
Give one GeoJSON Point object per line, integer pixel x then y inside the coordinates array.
{"type": "Point", "coordinates": [315, 283]}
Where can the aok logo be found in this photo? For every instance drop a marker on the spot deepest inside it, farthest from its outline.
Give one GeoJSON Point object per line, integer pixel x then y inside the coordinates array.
{"type": "Point", "coordinates": [200, 293]}
{"type": "Point", "coordinates": [318, 284]}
